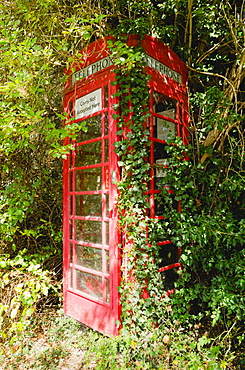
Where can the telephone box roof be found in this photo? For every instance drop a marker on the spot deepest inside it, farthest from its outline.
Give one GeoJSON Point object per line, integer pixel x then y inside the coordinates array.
{"type": "Point", "coordinates": [158, 57]}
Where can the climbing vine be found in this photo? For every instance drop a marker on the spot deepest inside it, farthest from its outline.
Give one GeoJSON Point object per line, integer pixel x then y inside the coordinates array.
{"type": "Point", "coordinates": [209, 229]}
{"type": "Point", "coordinates": [141, 289]}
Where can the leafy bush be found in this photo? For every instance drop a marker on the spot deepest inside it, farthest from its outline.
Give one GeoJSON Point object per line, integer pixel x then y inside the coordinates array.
{"type": "Point", "coordinates": [24, 287]}
{"type": "Point", "coordinates": [160, 348]}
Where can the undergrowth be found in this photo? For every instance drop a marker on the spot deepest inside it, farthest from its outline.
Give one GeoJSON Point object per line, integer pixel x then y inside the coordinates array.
{"type": "Point", "coordinates": [53, 341]}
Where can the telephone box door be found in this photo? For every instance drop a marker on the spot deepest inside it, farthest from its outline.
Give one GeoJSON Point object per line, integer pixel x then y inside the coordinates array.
{"type": "Point", "coordinates": [91, 262]}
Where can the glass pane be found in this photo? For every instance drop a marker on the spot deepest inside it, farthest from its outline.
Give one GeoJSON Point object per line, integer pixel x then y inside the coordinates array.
{"type": "Point", "coordinates": [70, 159]}
{"type": "Point", "coordinates": [107, 281]}
{"type": "Point", "coordinates": [106, 124]}
{"type": "Point", "coordinates": [164, 105]}
{"type": "Point", "coordinates": [87, 154]}
{"type": "Point", "coordinates": [70, 229]}
{"type": "Point", "coordinates": [70, 278]}
{"type": "Point", "coordinates": [107, 233]}
{"type": "Point", "coordinates": [88, 179]}
{"type": "Point", "coordinates": [163, 129]}
{"type": "Point", "coordinates": [89, 257]}
{"type": "Point", "coordinates": [161, 167]}
{"type": "Point", "coordinates": [160, 151]}
{"type": "Point", "coordinates": [169, 254]}
{"type": "Point", "coordinates": [71, 253]}
{"type": "Point", "coordinates": [70, 181]}
{"type": "Point", "coordinates": [71, 111]}
{"type": "Point", "coordinates": [160, 171]}
{"type": "Point", "coordinates": [106, 95]}
{"type": "Point", "coordinates": [107, 262]}
{"type": "Point", "coordinates": [89, 231]}
{"type": "Point", "coordinates": [107, 205]}
{"type": "Point", "coordinates": [89, 284]}
{"type": "Point", "coordinates": [88, 205]}
{"type": "Point", "coordinates": [71, 205]}
{"type": "Point", "coordinates": [168, 278]}
{"type": "Point", "coordinates": [106, 151]}
{"type": "Point", "coordinates": [93, 126]}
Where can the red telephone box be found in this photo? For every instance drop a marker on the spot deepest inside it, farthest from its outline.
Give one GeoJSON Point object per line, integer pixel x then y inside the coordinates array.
{"type": "Point", "coordinates": [92, 260]}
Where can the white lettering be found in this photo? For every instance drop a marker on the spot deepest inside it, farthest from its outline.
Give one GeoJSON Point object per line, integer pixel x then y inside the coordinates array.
{"type": "Point", "coordinates": [91, 69]}
{"type": "Point", "coordinates": [107, 62]}
{"type": "Point", "coordinates": [162, 68]}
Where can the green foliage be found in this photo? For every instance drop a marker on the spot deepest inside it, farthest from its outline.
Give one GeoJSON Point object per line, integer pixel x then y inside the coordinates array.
{"type": "Point", "coordinates": [31, 149]}
{"type": "Point", "coordinates": [159, 348]}
{"type": "Point", "coordinates": [211, 195]}
{"type": "Point", "coordinates": [37, 40]}
{"type": "Point", "coordinates": [207, 179]}
{"type": "Point", "coordinates": [24, 284]}
{"type": "Point", "coordinates": [52, 341]}
{"type": "Point", "coordinates": [132, 201]}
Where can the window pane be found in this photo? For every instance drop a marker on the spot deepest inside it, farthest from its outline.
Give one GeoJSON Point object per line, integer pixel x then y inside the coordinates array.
{"type": "Point", "coordinates": [168, 254]}
{"type": "Point", "coordinates": [71, 253]}
{"type": "Point", "coordinates": [71, 277]}
{"type": "Point", "coordinates": [88, 179]}
{"type": "Point", "coordinates": [107, 262]}
{"type": "Point", "coordinates": [164, 105]}
{"type": "Point", "coordinates": [70, 159]}
{"type": "Point", "coordinates": [88, 231]}
{"type": "Point", "coordinates": [87, 154]}
{"type": "Point", "coordinates": [89, 257]}
{"type": "Point", "coordinates": [106, 95]}
{"type": "Point", "coordinates": [88, 205]}
{"type": "Point", "coordinates": [70, 229]}
{"type": "Point", "coordinates": [71, 181]}
{"type": "Point", "coordinates": [160, 151]}
{"type": "Point", "coordinates": [107, 205]}
{"type": "Point", "coordinates": [160, 172]}
{"type": "Point", "coordinates": [93, 126]}
{"type": "Point", "coordinates": [106, 124]}
{"type": "Point", "coordinates": [106, 150]}
{"type": "Point", "coordinates": [71, 205]}
{"type": "Point", "coordinates": [107, 233]}
{"type": "Point", "coordinates": [107, 281]}
{"type": "Point", "coordinates": [89, 284]}
{"type": "Point", "coordinates": [169, 277]}
{"type": "Point", "coordinates": [163, 129]}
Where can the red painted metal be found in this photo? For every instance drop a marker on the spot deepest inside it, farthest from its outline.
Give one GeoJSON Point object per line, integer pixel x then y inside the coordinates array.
{"type": "Point", "coordinates": [90, 172]}
{"type": "Point", "coordinates": [169, 267]}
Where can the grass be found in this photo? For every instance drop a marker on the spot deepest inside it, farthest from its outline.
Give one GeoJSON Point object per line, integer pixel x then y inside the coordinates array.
{"type": "Point", "coordinates": [51, 341]}
{"type": "Point", "coordinates": [56, 342]}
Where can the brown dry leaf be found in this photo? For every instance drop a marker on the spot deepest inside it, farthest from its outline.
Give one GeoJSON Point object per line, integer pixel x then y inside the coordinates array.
{"type": "Point", "coordinates": [204, 157]}
{"type": "Point", "coordinates": [212, 136]}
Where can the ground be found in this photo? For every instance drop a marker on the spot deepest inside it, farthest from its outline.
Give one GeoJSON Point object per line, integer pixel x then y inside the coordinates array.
{"type": "Point", "coordinates": [53, 341]}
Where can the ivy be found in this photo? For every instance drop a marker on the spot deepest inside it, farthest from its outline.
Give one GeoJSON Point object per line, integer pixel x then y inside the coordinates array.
{"type": "Point", "coordinates": [141, 287]}
{"type": "Point", "coordinates": [206, 177]}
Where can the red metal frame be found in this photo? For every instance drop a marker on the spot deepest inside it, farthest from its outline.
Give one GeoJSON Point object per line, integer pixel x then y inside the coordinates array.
{"type": "Point", "coordinates": [85, 299]}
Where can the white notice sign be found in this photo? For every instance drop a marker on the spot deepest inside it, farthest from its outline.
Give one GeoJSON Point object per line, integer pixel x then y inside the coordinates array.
{"type": "Point", "coordinates": [88, 104]}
